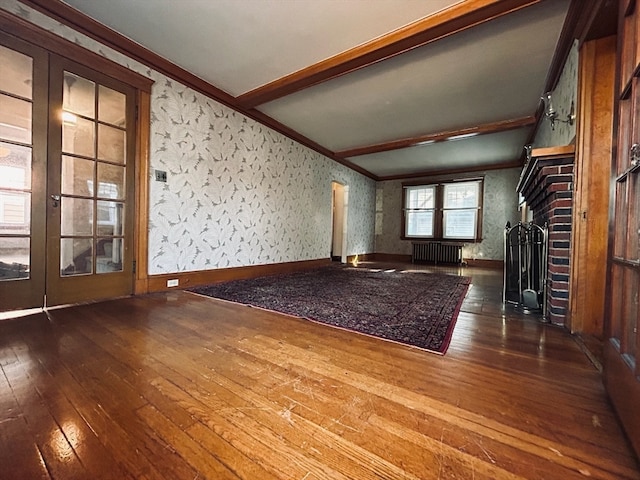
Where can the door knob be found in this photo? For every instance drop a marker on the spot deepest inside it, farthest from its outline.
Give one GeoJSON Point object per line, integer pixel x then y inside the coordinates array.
{"type": "Point", "coordinates": [56, 200]}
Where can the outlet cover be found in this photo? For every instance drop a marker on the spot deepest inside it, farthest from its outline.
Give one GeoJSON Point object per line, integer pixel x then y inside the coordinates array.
{"type": "Point", "coordinates": [172, 283]}
{"type": "Point", "coordinates": [161, 176]}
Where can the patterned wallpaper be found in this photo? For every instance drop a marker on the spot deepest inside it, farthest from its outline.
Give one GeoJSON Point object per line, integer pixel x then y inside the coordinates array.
{"type": "Point", "coordinates": [500, 206]}
{"type": "Point", "coordinates": [237, 193]}
{"type": "Point", "coordinates": [565, 92]}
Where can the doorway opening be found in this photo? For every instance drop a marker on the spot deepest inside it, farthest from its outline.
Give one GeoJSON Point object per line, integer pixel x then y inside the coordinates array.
{"type": "Point", "coordinates": [340, 208]}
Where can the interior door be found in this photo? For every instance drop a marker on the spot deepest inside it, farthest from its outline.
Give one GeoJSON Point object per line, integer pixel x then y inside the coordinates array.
{"type": "Point", "coordinates": [23, 137]}
{"type": "Point", "coordinates": [90, 185]}
{"type": "Point", "coordinates": [67, 148]}
{"type": "Point", "coordinates": [622, 371]}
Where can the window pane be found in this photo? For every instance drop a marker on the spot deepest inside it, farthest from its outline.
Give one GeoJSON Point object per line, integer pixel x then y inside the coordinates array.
{"type": "Point", "coordinates": [111, 107]}
{"type": "Point", "coordinates": [76, 217]}
{"type": "Point", "coordinates": [110, 218]}
{"type": "Point", "coordinates": [461, 195]}
{"type": "Point", "coordinates": [421, 197]}
{"type": "Point", "coordinates": [77, 176]}
{"type": "Point", "coordinates": [110, 181]}
{"type": "Point", "coordinates": [109, 252]}
{"type": "Point", "coordinates": [75, 256]}
{"type": "Point", "coordinates": [15, 212]}
{"type": "Point", "coordinates": [79, 95]}
{"type": "Point", "coordinates": [15, 166]}
{"type": "Point", "coordinates": [460, 223]}
{"type": "Point", "coordinates": [420, 224]}
{"type": "Point", "coordinates": [15, 119]}
{"type": "Point", "coordinates": [111, 144]}
{"type": "Point", "coordinates": [78, 136]}
{"type": "Point", "coordinates": [16, 72]}
{"type": "Point", "coordinates": [14, 258]}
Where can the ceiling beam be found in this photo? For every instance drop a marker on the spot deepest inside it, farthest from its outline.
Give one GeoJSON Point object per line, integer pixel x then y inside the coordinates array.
{"type": "Point", "coordinates": [86, 25]}
{"type": "Point", "coordinates": [453, 171]}
{"type": "Point", "coordinates": [449, 21]}
{"type": "Point", "coordinates": [486, 128]}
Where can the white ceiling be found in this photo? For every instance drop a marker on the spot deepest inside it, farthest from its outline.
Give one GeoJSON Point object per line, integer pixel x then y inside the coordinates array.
{"type": "Point", "coordinates": [489, 73]}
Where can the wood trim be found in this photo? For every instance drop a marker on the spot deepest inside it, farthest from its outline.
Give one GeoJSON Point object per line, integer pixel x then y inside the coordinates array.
{"type": "Point", "coordinates": [35, 35]}
{"type": "Point", "coordinates": [487, 128]}
{"type": "Point", "coordinates": [270, 122]}
{"type": "Point", "coordinates": [483, 263]}
{"type": "Point", "coordinates": [592, 184]}
{"type": "Point", "coordinates": [391, 257]}
{"type": "Point", "coordinates": [158, 283]}
{"type": "Point", "coordinates": [624, 391]}
{"type": "Point", "coordinates": [141, 245]}
{"type": "Point", "coordinates": [112, 39]}
{"type": "Point", "coordinates": [553, 152]}
{"type": "Point", "coordinates": [449, 21]}
{"type": "Point", "coordinates": [454, 171]}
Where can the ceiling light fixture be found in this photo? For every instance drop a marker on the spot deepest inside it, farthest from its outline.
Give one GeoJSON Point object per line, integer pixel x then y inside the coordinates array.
{"type": "Point", "coordinates": [552, 114]}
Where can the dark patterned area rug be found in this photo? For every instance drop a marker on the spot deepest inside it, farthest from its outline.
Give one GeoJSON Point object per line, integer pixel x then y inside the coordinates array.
{"type": "Point", "coordinates": [413, 308]}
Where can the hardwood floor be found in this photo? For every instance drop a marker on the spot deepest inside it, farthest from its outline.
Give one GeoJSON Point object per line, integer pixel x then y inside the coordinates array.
{"type": "Point", "coordinates": [178, 386]}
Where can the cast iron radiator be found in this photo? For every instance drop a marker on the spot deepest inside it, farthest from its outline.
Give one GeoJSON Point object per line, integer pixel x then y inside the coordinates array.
{"type": "Point", "coordinates": [436, 252]}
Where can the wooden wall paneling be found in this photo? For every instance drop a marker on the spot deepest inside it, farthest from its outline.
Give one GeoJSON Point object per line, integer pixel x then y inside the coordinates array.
{"type": "Point", "coordinates": [141, 248]}
{"type": "Point", "coordinates": [591, 194]}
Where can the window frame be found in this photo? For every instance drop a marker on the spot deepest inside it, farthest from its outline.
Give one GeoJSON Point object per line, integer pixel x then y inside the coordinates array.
{"type": "Point", "coordinates": [439, 210]}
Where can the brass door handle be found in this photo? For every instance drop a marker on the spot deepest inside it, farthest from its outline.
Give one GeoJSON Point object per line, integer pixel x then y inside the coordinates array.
{"type": "Point", "coordinates": [56, 200]}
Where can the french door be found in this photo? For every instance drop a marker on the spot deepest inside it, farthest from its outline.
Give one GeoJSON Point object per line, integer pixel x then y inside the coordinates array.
{"type": "Point", "coordinates": [67, 144]}
{"type": "Point", "coordinates": [622, 346]}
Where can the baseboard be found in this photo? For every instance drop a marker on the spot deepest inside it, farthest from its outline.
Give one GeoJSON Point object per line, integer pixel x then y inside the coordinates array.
{"type": "Point", "coordinates": [362, 257]}
{"type": "Point", "coordinates": [391, 257]}
{"type": "Point", "coordinates": [496, 264]}
{"type": "Point", "coordinates": [158, 283]}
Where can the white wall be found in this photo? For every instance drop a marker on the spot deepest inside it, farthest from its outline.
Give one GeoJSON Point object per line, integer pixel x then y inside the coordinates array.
{"type": "Point", "coordinates": [500, 204]}
{"type": "Point", "coordinates": [238, 193]}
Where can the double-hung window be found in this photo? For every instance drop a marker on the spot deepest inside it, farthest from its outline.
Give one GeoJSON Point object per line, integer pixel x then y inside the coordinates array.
{"type": "Point", "coordinates": [420, 211]}
{"type": "Point", "coordinates": [443, 211]}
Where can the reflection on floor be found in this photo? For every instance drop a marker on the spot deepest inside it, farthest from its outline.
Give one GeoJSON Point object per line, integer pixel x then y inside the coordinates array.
{"type": "Point", "coordinates": [178, 386]}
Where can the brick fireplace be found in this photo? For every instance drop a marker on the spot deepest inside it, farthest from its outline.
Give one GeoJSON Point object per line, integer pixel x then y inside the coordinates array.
{"type": "Point", "coordinates": [546, 184]}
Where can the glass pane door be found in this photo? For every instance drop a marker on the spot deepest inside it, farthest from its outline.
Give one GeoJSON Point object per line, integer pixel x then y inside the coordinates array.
{"type": "Point", "coordinates": [90, 179]}
{"type": "Point", "coordinates": [22, 136]}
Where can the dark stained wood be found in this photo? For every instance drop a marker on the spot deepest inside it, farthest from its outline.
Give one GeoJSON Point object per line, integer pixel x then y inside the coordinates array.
{"type": "Point", "coordinates": [158, 283]}
{"type": "Point", "coordinates": [176, 385]}
{"type": "Point", "coordinates": [454, 171]}
{"type": "Point", "coordinates": [141, 236]}
{"type": "Point", "coordinates": [622, 339]}
{"type": "Point", "coordinates": [622, 384]}
{"type": "Point", "coordinates": [494, 127]}
{"type": "Point", "coordinates": [29, 293]}
{"type": "Point", "coordinates": [592, 184]}
{"type": "Point", "coordinates": [449, 21]}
